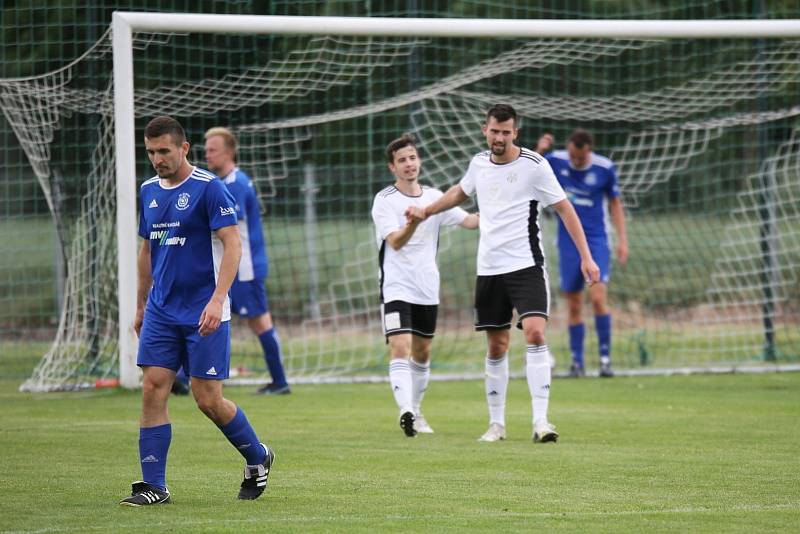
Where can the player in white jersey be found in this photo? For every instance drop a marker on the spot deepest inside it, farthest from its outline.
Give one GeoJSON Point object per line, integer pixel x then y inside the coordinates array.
{"type": "Point", "coordinates": [512, 184]}
{"type": "Point", "coordinates": [409, 278]}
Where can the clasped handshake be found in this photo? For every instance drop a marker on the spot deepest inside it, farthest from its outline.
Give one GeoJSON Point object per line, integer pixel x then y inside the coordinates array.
{"type": "Point", "coordinates": [415, 215]}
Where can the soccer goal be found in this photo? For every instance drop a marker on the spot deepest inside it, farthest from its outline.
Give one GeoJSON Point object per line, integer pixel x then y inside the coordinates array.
{"type": "Point", "coordinates": [700, 117]}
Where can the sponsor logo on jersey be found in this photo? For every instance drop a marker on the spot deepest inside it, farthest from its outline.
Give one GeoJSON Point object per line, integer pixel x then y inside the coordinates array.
{"type": "Point", "coordinates": [183, 201]}
{"type": "Point", "coordinates": [227, 211]}
{"type": "Point", "coordinates": [165, 240]}
{"type": "Point", "coordinates": [153, 204]}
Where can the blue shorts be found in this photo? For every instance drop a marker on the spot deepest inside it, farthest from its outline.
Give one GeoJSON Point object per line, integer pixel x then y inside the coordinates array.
{"type": "Point", "coordinates": [174, 346]}
{"type": "Point", "coordinates": [569, 264]}
{"type": "Point", "coordinates": [249, 299]}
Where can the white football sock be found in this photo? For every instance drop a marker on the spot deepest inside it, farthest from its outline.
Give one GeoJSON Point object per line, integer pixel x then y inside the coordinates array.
{"type": "Point", "coordinates": [420, 375]}
{"type": "Point", "coordinates": [538, 372]}
{"type": "Point", "coordinates": [400, 380]}
{"type": "Point", "coordinates": [496, 387]}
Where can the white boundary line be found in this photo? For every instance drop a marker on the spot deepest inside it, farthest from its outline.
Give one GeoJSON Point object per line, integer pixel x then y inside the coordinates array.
{"type": "Point", "coordinates": [450, 377]}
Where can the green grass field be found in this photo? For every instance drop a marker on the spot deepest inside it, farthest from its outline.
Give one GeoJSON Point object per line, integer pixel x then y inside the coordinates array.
{"type": "Point", "coordinates": [697, 453]}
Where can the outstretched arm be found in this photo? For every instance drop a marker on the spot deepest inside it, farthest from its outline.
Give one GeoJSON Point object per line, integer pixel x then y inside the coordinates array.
{"type": "Point", "coordinates": [211, 317]}
{"type": "Point", "coordinates": [452, 198]}
{"type": "Point", "coordinates": [618, 218]}
{"type": "Point", "coordinates": [590, 270]}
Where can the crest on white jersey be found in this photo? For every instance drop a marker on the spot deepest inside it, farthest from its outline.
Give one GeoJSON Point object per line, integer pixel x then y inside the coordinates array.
{"type": "Point", "coordinates": [183, 201]}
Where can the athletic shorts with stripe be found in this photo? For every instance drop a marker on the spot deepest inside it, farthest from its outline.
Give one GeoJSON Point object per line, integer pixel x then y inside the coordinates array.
{"type": "Point", "coordinates": [497, 296]}
{"type": "Point", "coordinates": [400, 317]}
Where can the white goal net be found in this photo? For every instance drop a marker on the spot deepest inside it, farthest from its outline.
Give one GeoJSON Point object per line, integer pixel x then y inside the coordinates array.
{"type": "Point", "coordinates": [704, 134]}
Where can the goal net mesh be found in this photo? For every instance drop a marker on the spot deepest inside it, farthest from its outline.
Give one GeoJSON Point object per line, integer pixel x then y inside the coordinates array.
{"type": "Point", "coordinates": [704, 134]}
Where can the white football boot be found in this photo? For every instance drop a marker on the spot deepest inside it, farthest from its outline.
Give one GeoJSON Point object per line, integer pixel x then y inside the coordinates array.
{"type": "Point", "coordinates": [496, 432]}
{"type": "Point", "coordinates": [421, 425]}
{"type": "Point", "coordinates": [544, 432]}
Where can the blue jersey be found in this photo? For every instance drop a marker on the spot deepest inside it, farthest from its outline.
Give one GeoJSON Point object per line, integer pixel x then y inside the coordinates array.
{"type": "Point", "coordinates": [253, 264]}
{"type": "Point", "coordinates": [587, 189]}
{"type": "Point", "coordinates": [185, 254]}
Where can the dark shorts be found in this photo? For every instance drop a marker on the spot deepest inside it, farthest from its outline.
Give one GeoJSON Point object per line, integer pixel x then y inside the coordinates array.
{"type": "Point", "coordinates": [399, 317]}
{"type": "Point", "coordinates": [496, 297]}
{"type": "Point", "coordinates": [174, 346]}
{"type": "Point", "coordinates": [569, 264]}
{"type": "Point", "coordinates": [249, 299]}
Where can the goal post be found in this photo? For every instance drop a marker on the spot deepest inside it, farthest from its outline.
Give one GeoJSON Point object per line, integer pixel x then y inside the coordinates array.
{"type": "Point", "coordinates": [125, 23]}
{"type": "Point", "coordinates": [700, 117]}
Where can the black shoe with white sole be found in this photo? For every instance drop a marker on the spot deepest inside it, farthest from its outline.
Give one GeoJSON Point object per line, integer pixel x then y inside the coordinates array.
{"type": "Point", "coordinates": [255, 477]}
{"type": "Point", "coordinates": [407, 424]}
{"type": "Point", "coordinates": [144, 494]}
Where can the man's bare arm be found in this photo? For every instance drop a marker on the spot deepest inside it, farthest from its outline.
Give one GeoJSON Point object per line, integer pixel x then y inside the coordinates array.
{"type": "Point", "coordinates": [399, 238]}
{"type": "Point", "coordinates": [452, 198]}
{"type": "Point", "coordinates": [618, 218]}
{"type": "Point", "coordinates": [145, 279]}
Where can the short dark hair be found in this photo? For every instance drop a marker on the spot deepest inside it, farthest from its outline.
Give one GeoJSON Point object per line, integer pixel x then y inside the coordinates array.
{"type": "Point", "coordinates": [501, 113]}
{"type": "Point", "coordinates": [397, 144]}
{"type": "Point", "coordinates": [580, 138]}
{"type": "Point", "coordinates": [164, 125]}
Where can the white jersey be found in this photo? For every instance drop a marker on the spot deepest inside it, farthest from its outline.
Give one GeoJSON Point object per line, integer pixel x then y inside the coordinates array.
{"type": "Point", "coordinates": [410, 274]}
{"type": "Point", "coordinates": [510, 196]}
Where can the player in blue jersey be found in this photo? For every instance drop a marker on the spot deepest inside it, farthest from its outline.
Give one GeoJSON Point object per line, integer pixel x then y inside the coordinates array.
{"type": "Point", "coordinates": [248, 293]}
{"type": "Point", "coordinates": [186, 265]}
{"type": "Point", "coordinates": [590, 181]}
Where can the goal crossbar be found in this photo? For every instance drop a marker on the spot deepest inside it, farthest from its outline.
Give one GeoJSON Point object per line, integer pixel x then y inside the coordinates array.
{"type": "Point", "coordinates": [124, 24]}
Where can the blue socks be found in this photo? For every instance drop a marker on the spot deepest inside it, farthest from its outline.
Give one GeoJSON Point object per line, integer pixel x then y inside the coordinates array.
{"type": "Point", "coordinates": [244, 438]}
{"type": "Point", "coordinates": [153, 447]}
{"type": "Point", "coordinates": [272, 355]}
{"type": "Point", "coordinates": [602, 324]}
{"type": "Point", "coordinates": [576, 335]}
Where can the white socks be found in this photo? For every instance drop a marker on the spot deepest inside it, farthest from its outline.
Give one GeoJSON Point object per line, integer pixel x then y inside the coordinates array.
{"type": "Point", "coordinates": [496, 387]}
{"type": "Point", "coordinates": [420, 375]}
{"type": "Point", "coordinates": [538, 372]}
{"type": "Point", "coordinates": [400, 380]}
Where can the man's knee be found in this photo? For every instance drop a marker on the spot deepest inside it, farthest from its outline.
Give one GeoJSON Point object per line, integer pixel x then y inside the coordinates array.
{"type": "Point", "coordinates": [156, 384]}
{"type": "Point", "coordinates": [421, 350]}
{"type": "Point", "coordinates": [533, 328]}
{"type": "Point", "coordinates": [207, 397]}
{"type": "Point", "coordinates": [260, 324]}
{"type": "Point", "coordinates": [400, 346]}
{"type": "Point", "coordinates": [535, 336]}
{"type": "Point", "coordinates": [574, 305]}
{"type": "Point", "coordinates": [599, 300]}
{"type": "Point", "coordinates": [209, 405]}
{"type": "Point", "coordinates": [497, 343]}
